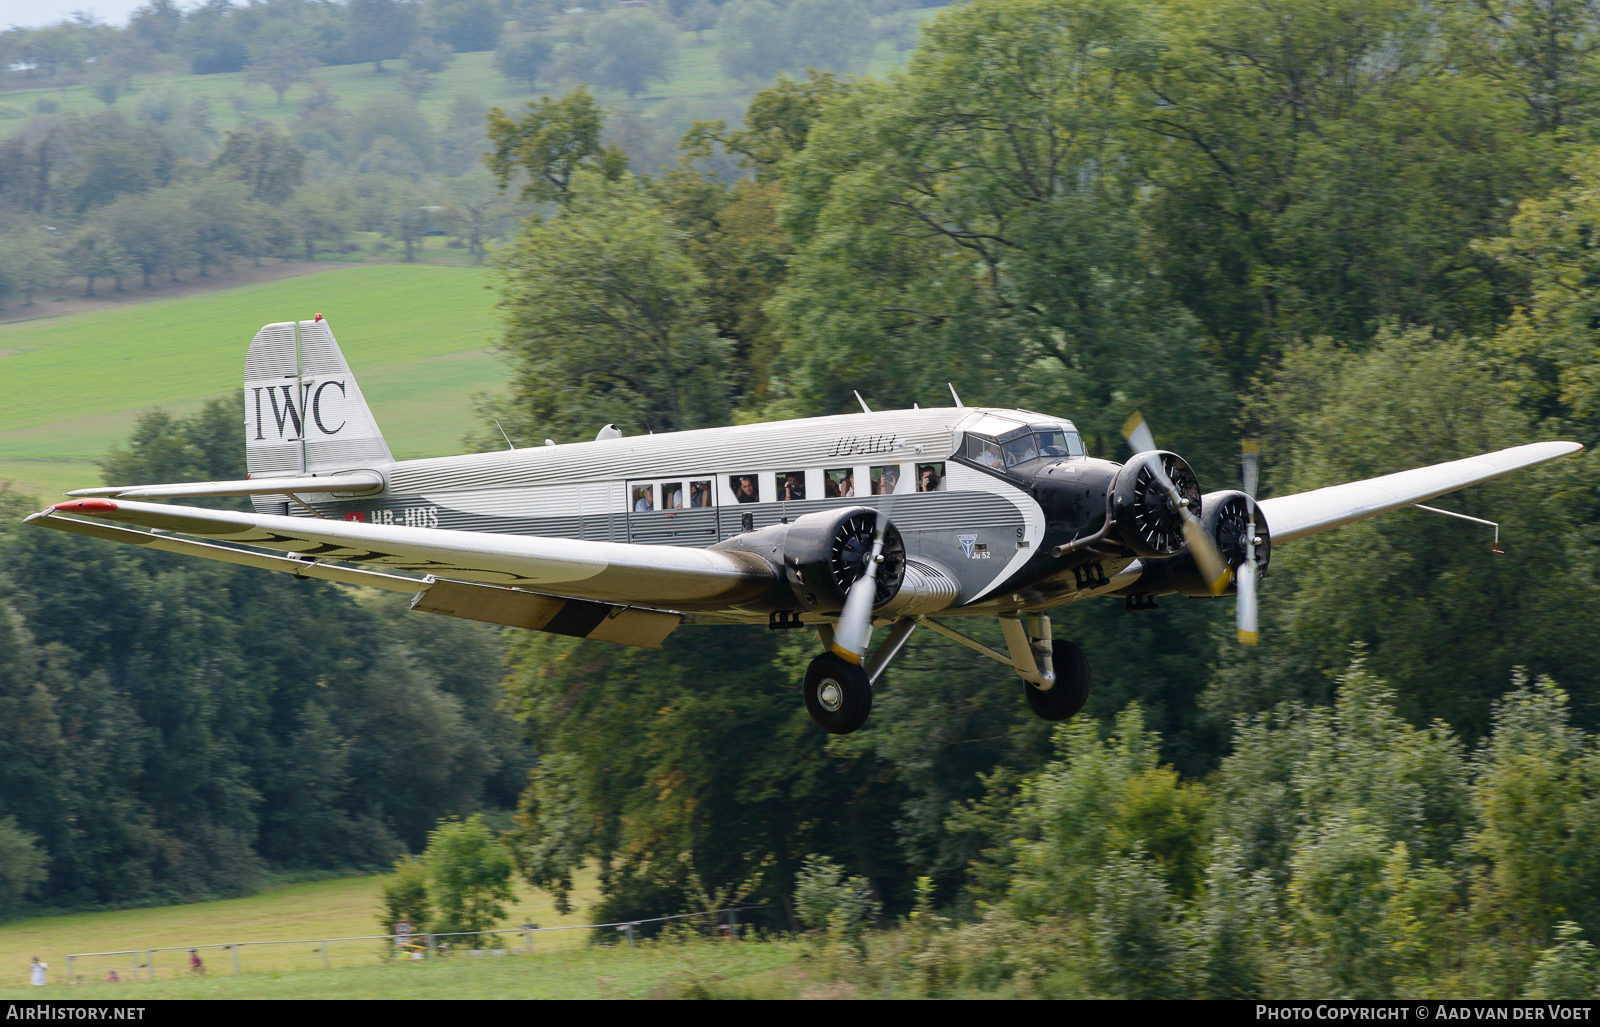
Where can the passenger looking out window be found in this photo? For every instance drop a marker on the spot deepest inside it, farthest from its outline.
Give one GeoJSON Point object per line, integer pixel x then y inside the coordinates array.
{"type": "Point", "coordinates": [885, 480]}
{"type": "Point", "coordinates": [699, 493]}
{"type": "Point", "coordinates": [930, 477]}
{"type": "Point", "coordinates": [791, 486]}
{"type": "Point", "coordinates": [672, 495]}
{"type": "Point", "coordinates": [744, 488]}
{"type": "Point", "coordinates": [839, 483]}
{"type": "Point", "coordinates": [642, 498]}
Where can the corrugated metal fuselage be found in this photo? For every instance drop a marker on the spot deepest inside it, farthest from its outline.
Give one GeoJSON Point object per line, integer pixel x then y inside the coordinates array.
{"type": "Point", "coordinates": [695, 488]}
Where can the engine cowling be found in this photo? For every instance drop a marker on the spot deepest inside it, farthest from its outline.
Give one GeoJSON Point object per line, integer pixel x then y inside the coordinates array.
{"type": "Point", "coordinates": [1225, 516]}
{"type": "Point", "coordinates": [820, 555]}
{"type": "Point", "coordinates": [826, 552]}
{"type": "Point", "coordinates": [1145, 519]}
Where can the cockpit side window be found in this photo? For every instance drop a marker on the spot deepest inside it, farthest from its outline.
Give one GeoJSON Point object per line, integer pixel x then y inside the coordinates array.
{"type": "Point", "coordinates": [1020, 450]}
{"type": "Point", "coordinates": [984, 451]}
{"type": "Point", "coordinates": [1054, 441]}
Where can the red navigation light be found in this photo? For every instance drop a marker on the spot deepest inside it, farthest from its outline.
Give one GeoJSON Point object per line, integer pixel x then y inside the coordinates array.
{"type": "Point", "coordinates": [87, 506]}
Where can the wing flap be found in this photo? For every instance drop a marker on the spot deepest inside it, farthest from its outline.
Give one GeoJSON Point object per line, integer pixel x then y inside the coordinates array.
{"type": "Point", "coordinates": [576, 617]}
{"type": "Point", "coordinates": [1307, 513]}
{"type": "Point", "coordinates": [609, 572]}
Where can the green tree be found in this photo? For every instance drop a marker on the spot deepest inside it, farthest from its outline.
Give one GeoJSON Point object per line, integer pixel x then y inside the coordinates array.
{"type": "Point", "coordinates": [380, 30]}
{"type": "Point", "coordinates": [552, 142]}
{"type": "Point", "coordinates": [280, 56]}
{"type": "Point", "coordinates": [829, 35]}
{"type": "Point", "coordinates": [627, 50]}
{"type": "Point", "coordinates": [522, 59]}
{"type": "Point", "coordinates": [406, 896]}
{"type": "Point", "coordinates": [751, 43]}
{"type": "Point", "coordinates": [268, 163]}
{"type": "Point", "coordinates": [95, 253]}
{"type": "Point", "coordinates": [469, 26]}
{"type": "Point", "coordinates": [1566, 970]}
{"type": "Point", "coordinates": [469, 876]}
{"type": "Point", "coordinates": [22, 865]}
{"type": "Point", "coordinates": [604, 320]}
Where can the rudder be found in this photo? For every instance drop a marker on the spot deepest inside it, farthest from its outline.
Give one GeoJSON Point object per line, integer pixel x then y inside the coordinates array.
{"type": "Point", "coordinates": [304, 412]}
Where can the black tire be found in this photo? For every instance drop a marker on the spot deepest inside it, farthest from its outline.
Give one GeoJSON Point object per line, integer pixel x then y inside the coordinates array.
{"type": "Point", "coordinates": [1073, 678]}
{"type": "Point", "coordinates": [838, 694]}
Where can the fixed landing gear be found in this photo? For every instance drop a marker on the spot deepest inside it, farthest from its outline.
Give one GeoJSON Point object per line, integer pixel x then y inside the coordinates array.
{"type": "Point", "coordinates": [1071, 689]}
{"type": "Point", "coordinates": [838, 694]}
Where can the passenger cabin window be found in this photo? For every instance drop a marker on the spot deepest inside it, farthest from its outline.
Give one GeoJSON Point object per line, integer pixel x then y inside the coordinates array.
{"type": "Point", "coordinates": [930, 477]}
{"type": "Point", "coordinates": [672, 495]}
{"type": "Point", "coordinates": [885, 479]}
{"type": "Point", "coordinates": [643, 498]}
{"type": "Point", "coordinates": [791, 486]}
{"type": "Point", "coordinates": [744, 488]}
{"type": "Point", "coordinates": [700, 493]}
{"type": "Point", "coordinates": [839, 483]}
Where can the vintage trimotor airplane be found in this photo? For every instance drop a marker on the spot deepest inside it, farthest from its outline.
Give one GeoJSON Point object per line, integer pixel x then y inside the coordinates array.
{"type": "Point", "coordinates": [838, 523]}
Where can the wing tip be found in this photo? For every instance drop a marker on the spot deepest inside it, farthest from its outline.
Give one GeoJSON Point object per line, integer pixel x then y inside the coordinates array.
{"type": "Point", "coordinates": [86, 506]}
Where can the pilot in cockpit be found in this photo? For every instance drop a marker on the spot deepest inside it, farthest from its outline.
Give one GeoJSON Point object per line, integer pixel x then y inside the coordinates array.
{"type": "Point", "coordinates": [989, 455]}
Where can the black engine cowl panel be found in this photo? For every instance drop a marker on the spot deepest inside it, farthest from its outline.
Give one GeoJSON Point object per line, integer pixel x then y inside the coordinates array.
{"type": "Point", "coordinates": [820, 555]}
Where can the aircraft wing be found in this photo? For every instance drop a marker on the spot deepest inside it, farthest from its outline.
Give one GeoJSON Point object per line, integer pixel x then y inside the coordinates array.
{"type": "Point", "coordinates": [606, 572]}
{"type": "Point", "coordinates": [1292, 517]}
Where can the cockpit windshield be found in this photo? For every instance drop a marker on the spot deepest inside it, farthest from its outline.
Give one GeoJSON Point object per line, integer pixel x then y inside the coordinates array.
{"type": "Point", "coordinates": [1035, 442]}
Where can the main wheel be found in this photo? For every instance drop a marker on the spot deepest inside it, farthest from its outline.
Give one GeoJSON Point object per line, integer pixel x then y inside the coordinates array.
{"type": "Point", "coordinates": [838, 694]}
{"type": "Point", "coordinates": [1071, 691]}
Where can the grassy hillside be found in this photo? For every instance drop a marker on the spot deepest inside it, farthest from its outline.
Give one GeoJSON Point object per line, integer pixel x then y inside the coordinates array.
{"type": "Point", "coordinates": [323, 909]}
{"type": "Point", "coordinates": [71, 387]}
{"type": "Point", "coordinates": [696, 81]}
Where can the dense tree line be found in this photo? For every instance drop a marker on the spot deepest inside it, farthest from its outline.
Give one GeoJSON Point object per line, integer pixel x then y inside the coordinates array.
{"type": "Point", "coordinates": [1363, 236]}
{"type": "Point", "coordinates": [174, 730]}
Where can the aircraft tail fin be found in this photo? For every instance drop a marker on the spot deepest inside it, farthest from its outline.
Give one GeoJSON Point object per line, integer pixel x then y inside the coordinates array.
{"type": "Point", "coordinates": [304, 412]}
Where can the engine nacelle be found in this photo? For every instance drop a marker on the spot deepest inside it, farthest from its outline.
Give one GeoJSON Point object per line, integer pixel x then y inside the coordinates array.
{"type": "Point", "coordinates": [1225, 516]}
{"type": "Point", "coordinates": [1145, 519]}
{"type": "Point", "coordinates": [820, 555]}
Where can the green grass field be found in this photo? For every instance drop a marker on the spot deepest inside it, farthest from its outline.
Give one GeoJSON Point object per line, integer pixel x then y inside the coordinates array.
{"type": "Point", "coordinates": [345, 907]}
{"type": "Point", "coordinates": [71, 387]}
{"type": "Point", "coordinates": [699, 969]}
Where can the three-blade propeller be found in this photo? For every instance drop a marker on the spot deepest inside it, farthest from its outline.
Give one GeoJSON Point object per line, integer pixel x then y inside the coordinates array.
{"type": "Point", "coordinates": [854, 630]}
{"type": "Point", "coordinates": [1206, 556]}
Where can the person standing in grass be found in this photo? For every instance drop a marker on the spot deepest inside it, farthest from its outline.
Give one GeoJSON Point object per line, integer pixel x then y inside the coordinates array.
{"type": "Point", "coordinates": [36, 971]}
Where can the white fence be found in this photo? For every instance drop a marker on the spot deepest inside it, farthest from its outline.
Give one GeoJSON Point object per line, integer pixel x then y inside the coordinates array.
{"type": "Point", "coordinates": [246, 956]}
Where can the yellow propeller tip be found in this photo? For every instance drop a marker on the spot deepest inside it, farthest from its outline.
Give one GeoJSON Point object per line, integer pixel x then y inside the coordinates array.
{"type": "Point", "coordinates": [1249, 637]}
{"type": "Point", "coordinates": [1220, 585]}
{"type": "Point", "coordinates": [1251, 446]}
{"type": "Point", "coordinates": [1131, 425]}
{"type": "Point", "coordinates": [846, 655]}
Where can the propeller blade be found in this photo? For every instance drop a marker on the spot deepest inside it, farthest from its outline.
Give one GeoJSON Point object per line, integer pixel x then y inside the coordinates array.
{"type": "Point", "coordinates": [1249, 630]}
{"type": "Point", "coordinates": [854, 630]}
{"type": "Point", "coordinates": [1246, 614]}
{"type": "Point", "coordinates": [1212, 566]}
{"type": "Point", "coordinates": [1206, 557]}
{"type": "Point", "coordinates": [1138, 433]}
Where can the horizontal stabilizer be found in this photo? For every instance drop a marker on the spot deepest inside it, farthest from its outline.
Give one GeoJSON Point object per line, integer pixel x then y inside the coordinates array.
{"type": "Point", "coordinates": [351, 482]}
